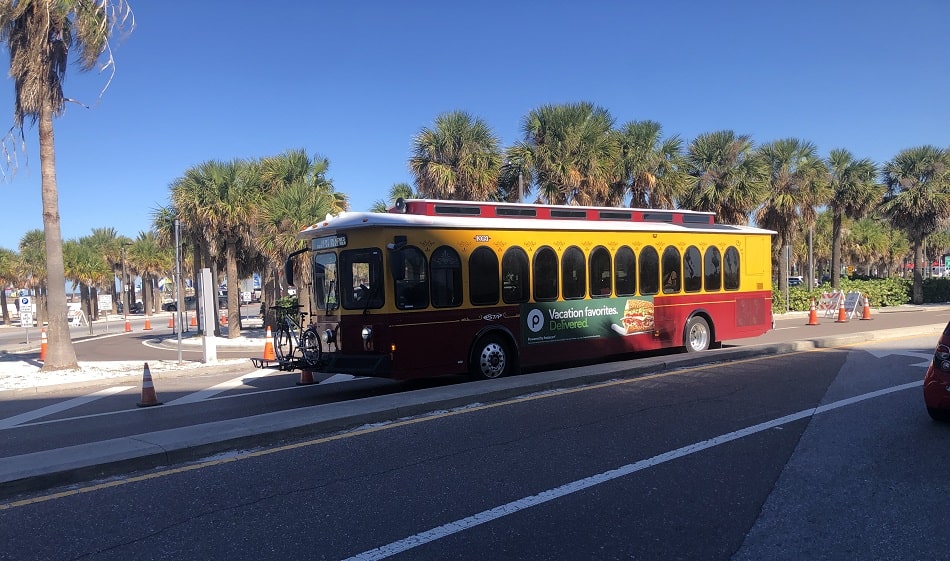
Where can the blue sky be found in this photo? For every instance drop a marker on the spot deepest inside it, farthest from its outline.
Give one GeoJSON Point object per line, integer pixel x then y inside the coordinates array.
{"type": "Point", "coordinates": [355, 81]}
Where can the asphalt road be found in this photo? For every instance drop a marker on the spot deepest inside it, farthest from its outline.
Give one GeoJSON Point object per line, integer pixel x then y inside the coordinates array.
{"type": "Point", "coordinates": [824, 453]}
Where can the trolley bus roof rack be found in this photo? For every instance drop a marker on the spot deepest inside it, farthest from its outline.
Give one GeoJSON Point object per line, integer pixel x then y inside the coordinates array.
{"type": "Point", "coordinates": [477, 209]}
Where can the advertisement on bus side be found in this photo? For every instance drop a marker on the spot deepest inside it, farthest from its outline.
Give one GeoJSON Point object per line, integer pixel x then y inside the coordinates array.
{"type": "Point", "coordinates": [549, 322]}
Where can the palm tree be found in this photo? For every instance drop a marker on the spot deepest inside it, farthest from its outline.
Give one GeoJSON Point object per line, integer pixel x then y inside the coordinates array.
{"type": "Point", "coordinates": [459, 158]}
{"type": "Point", "coordinates": [40, 34]}
{"type": "Point", "coordinates": [652, 168]}
{"type": "Point", "coordinates": [151, 261]}
{"type": "Point", "coordinates": [867, 243]}
{"type": "Point", "coordinates": [797, 184]}
{"type": "Point", "coordinates": [571, 151]}
{"type": "Point", "coordinates": [108, 244]}
{"type": "Point", "coordinates": [729, 178]}
{"type": "Point", "coordinates": [33, 258]}
{"type": "Point", "coordinates": [397, 191]}
{"type": "Point", "coordinates": [297, 193]}
{"type": "Point", "coordinates": [854, 194]}
{"type": "Point", "coordinates": [283, 214]}
{"type": "Point", "coordinates": [87, 269]}
{"type": "Point", "coordinates": [918, 199]}
{"type": "Point", "coordinates": [227, 214]}
{"type": "Point", "coordinates": [9, 277]}
{"type": "Point", "coordinates": [197, 197]}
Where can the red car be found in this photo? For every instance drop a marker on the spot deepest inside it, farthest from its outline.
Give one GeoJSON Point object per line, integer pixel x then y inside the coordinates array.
{"type": "Point", "coordinates": [937, 380]}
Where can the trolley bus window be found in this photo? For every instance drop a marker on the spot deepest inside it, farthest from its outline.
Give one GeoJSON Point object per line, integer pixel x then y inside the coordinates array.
{"type": "Point", "coordinates": [483, 276]}
{"type": "Point", "coordinates": [445, 270]}
{"type": "Point", "coordinates": [649, 271]}
{"type": "Point", "coordinates": [731, 270]}
{"type": "Point", "coordinates": [324, 281]}
{"type": "Point", "coordinates": [671, 270]}
{"type": "Point", "coordinates": [545, 274]}
{"type": "Point", "coordinates": [514, 275]}
{"type": "Point", "coordinates": [599, 272]}
{"type": "Point", "coordinates": [692, 273]}
{"type": "Point", "coordinates": [361, 276]}
{"type": "Point", "coordinates": [574, 273]}
{"type": "Point", "coordinates": [626, 271]}
{"type": "Point", "coordinates": [712, 265]}
{"type": "Point", "coordinates": [409, 273]}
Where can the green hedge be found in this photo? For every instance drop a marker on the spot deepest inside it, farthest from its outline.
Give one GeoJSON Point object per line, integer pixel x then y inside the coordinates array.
{"type": "Point", "coordinates": [881, 293]}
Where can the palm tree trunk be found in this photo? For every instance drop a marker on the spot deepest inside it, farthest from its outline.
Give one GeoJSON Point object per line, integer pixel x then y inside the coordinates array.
{"type": "Point", "coordinates": [918, 294]}
{"type": "Point", "coordinates": [234, 289]}
{"type": "Point", "coordinates": [60, 354]}
{"type": "Point", "coordinates": [836, 251]}
{"type": "Point", "coordinates": [5, 308]}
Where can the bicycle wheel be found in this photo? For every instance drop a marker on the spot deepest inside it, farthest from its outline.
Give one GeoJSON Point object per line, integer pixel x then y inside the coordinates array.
{"type": "Point", "coordinates": [310, 348]}
{"type": "Point", "coordinates": [283, 344]}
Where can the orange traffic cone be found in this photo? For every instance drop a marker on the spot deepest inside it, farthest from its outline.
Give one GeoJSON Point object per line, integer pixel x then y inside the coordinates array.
{"type": "Point", "coordinates": [128, 326]}
{"type": "Point", "coordinates": [171, 321]}
{"type": "Point", "coordinates": [306, 377]}
{"type": "Point", "coordinates": [43, 343]}
{"type": "Point", "coordinates": [812, 314]}
{"type": "Point", "coordinates": [842, 313]}
{"type": "Point", "coordinates": [148, 390]}
{"type": "Point", "coordinates": [269, 347]}
{"type": "Point", "coordinates": [148, 324]}
{"type": "Point", "coordinates": [867, 309]}
{"type": "Point", "coordinates": [194, 321]}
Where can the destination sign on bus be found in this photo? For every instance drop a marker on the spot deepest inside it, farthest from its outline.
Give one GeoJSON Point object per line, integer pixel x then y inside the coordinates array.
{"type": "Point", "coordinates": [585, 319]}
{"type": "Point", "coordinates": [329, 242]}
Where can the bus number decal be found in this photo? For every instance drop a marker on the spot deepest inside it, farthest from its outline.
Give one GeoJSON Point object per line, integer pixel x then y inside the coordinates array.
{"type": "Point", "coordinates": [482, 238]}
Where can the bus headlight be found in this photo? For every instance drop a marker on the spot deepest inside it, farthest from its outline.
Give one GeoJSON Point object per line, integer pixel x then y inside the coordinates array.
{"type": "Point", "coordinates": [367, 333]}
{"type": "Point", "coordinates": [329, 336]}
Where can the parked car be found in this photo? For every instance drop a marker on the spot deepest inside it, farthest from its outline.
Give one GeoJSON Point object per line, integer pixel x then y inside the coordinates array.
{"type": "Point", "coordinates": [795, 281]}
{"type": "Point", "coordinates": [937, 380]}
{"type": "Point", "coordinates": [173, 306]}
{"type": "Point", "coordinates": [134, 308]}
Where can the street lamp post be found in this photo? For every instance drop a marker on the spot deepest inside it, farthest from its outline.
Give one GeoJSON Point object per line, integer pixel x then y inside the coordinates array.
{"type": "Point", "coordinates": [125, 290]}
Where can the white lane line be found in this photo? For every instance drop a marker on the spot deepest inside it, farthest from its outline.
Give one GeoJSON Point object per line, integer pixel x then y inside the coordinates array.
{"type": "Point", "coordinates": [219, 388]}
{"type": "Point", "coordinates": [446, 530]}
{"type": "Point", "coordinates": [61, 406]}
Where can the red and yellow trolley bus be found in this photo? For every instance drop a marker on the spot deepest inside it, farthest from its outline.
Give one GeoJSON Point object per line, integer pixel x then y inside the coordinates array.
{"type": "Point", "coordinates": [443, 287]}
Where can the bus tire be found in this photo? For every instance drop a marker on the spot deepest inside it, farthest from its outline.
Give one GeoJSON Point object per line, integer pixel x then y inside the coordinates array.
{"type": "Point", "coordinates": [491, 358]}
{"type": "Point", "coordinates": [697, 336]}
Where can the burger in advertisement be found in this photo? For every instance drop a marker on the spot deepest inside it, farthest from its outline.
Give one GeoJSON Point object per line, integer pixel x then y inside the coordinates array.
{"type": "Point", "coordinates": [638, 316]}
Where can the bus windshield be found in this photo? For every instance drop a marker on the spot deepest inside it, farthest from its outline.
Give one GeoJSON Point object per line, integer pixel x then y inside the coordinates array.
{"type": "Point", "coordinates": [361, 279]}
{"type": "Point", "coordinates": [325, 281]}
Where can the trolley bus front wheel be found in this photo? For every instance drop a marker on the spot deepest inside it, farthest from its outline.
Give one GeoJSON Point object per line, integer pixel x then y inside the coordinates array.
{"type": "Point", "coordinates": [697, 336]}
{"type": "Point", "coordinates": [491, 358]}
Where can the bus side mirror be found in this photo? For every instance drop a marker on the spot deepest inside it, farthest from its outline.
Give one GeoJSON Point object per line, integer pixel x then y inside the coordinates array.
{"type": "Point", "coordinates": [289, 270]}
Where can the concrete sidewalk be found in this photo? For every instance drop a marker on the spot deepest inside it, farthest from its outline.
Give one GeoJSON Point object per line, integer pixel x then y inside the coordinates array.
{"type": "Point", "coordinates": [93, 460]}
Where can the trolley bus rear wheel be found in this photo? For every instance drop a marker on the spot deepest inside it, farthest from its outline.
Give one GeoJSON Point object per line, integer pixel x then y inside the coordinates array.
{"type": "Point", "coordinates": [491, 358]}
{"type": "Point", "coordinates": [697, 336]}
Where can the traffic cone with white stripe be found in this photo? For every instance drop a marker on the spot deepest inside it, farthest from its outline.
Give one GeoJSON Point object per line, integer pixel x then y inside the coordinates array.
{"type": "Point", "coordinates": [842, 313]}
{"type": "Point", "coordinates": [812, 314]}
{"type": "Point", "coordinates": [148, 390]}
{"type": "Point", "coordinates": [867, 309]}
{"type": "Point", "coordinates": [269, 353]}
{"type": "Point", "coordinates": [43, 343]}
